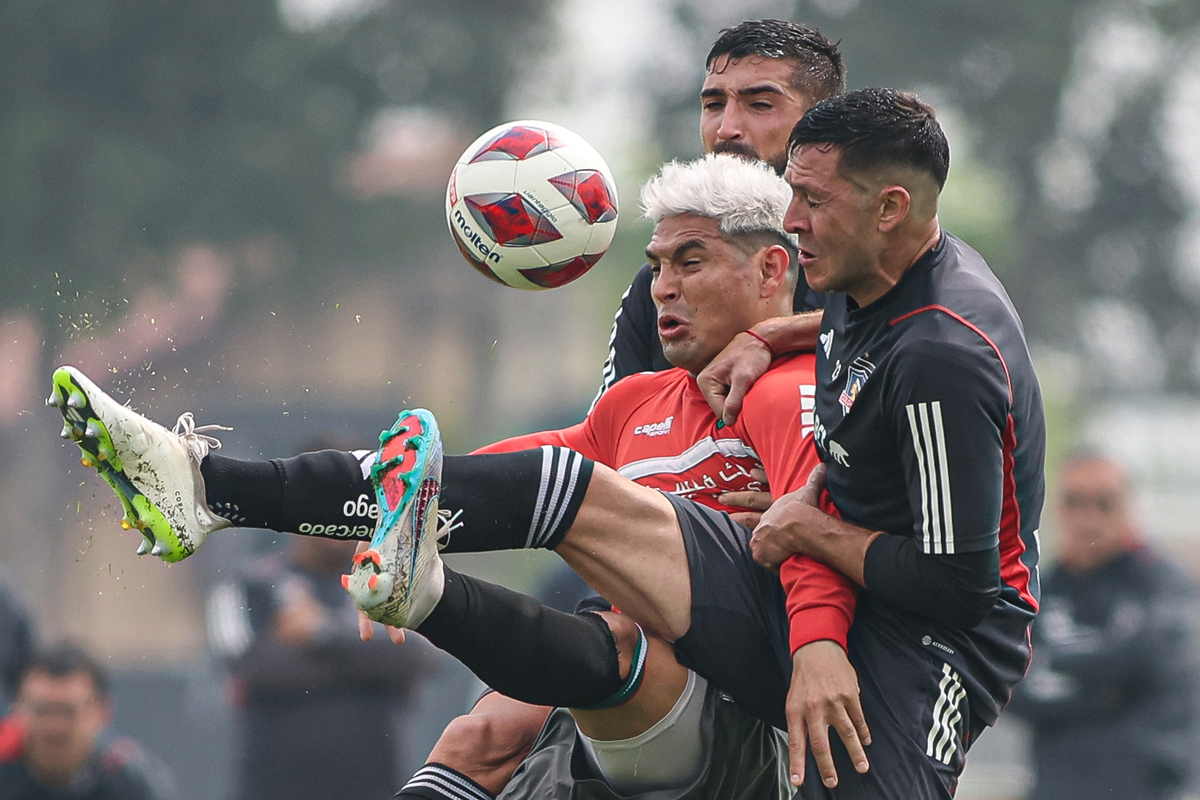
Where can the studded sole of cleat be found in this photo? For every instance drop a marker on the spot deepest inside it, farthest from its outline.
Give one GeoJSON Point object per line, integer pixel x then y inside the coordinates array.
{"type": "Point", "coordinates": [90, 434]}
{"type": "Point", "coordinates": [402, 461]}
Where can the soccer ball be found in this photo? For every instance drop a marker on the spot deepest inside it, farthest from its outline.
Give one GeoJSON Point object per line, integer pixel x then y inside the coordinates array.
{"type": "Point", "coordinates": [531, 205]}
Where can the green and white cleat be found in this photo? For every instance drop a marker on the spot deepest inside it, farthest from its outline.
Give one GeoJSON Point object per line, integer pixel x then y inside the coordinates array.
{"type": "Point", "coordinates": [398, 579]}
{"type": "Point", "coordinates": [154, 472]}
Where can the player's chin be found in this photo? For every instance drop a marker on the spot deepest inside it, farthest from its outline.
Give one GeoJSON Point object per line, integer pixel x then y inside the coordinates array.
{"type": "Point", "coordinates": [683, 353]}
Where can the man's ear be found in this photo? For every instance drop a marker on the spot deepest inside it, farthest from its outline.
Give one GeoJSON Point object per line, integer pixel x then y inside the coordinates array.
{"type": "Point", "coordinates": [895, 205]}
{"type": "Point", "coordinates": [773, 261]}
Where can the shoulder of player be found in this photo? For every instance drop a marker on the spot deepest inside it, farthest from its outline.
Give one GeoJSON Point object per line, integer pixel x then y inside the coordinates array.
{"type": "Point", "coordinates": [642, 383]}
{"type": "Point", "coordinates": [782, 379]}
{"type": "Point", "coordinates": [938, 334]}
{"type": "Point", "coordinates": [633, 391]}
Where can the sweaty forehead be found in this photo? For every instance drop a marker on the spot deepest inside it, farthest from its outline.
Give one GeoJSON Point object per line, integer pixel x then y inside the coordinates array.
{"type": "Point", "coordinates": [812, 162]}
{"type": "Point", "coordinates": [732, 74]}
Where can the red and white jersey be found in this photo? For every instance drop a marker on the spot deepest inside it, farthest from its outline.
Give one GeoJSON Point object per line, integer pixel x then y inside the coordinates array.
{"type": "Point", "coordinates": [656, 429]}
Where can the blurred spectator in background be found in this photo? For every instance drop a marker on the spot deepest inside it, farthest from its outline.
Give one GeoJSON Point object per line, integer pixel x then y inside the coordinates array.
{"type": "Point", "coordinates": [53, 745]}
{"type": "Point", "coordinates": [1111, 696]}
{"type": "Point", "coordinates": [318, 708]}
{"type": "Point", "coordinates": [16, 638]}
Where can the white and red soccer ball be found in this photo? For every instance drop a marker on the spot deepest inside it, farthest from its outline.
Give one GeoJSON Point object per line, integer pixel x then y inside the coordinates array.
{"type": "Point", "coordinates": [531, 205]}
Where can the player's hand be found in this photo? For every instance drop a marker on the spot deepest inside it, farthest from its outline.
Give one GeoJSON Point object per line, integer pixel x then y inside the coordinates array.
{"type": "Point", "coordinates": [755, 502]}
{"type": "Point", "coordinates": [366, 625]}
{"type": "Point", "coordinates": [730, 375]}
{"type": "Point", "coordinates": [366, 629]}
{"type": "Point", "coordinates": [824, 694]}
{"type": "Point", "coordinates": [776, 537]}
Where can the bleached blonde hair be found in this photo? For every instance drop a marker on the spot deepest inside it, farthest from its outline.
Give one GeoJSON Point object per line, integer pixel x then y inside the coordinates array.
{"type": "Point", "coordinates": [743, 196]}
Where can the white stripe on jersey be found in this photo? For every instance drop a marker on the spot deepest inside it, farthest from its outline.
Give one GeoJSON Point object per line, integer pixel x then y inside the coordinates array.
{"type": "Point", "coordinates": [696, 454]}
{"type": "Point", "coordinates": [609, 371]}
{"type": "Point", "coordinates": [947, 714]}
{"type": "Point", "coordinates": [929, 443]}
{"type": "Point", "coordinates": [808, 406]}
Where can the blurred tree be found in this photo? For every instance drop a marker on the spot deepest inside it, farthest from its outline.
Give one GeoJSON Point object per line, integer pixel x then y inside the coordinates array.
{"type": "Point", "coordinates": [128, 127]}
{"type": "Point", "coordinates": [1073, 185]}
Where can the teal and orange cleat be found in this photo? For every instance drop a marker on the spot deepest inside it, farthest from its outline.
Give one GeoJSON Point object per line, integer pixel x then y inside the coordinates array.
{"type": "Point", "coordinates": [154, 472]}
{"type": "Point", "coordinates": [398, 579]}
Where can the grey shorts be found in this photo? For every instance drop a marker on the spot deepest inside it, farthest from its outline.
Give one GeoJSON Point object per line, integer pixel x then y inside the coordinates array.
{"type": "Point", "coordinates": [744, 759]}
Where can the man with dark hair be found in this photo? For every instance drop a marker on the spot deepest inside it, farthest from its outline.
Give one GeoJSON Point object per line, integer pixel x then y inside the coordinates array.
{"type": "Point", "coordinates": [52, 746]}
{"type": "Point", "coordinates": [1112, 694]}
{"type": "Point", "coordinates": [929, 425]}
{"type": "Point", "coordinates": [760, 78]}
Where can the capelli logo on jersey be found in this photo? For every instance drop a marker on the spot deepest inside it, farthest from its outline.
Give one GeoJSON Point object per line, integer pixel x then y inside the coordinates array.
{"type": "Point", "coordinates": [655, 428]}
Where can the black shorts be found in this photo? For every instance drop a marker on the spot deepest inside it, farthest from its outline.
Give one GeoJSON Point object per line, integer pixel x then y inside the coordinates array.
{"type": "Point", "coordinates": [914, 702]}
{"type": "Point", "coordinates": [738, 637]}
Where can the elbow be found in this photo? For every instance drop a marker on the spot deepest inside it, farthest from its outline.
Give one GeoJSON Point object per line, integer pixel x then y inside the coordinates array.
{"type": "Point", "coordinates": [972, 607]}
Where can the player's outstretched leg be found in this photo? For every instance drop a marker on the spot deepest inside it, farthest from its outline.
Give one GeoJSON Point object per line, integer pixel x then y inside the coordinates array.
{"type": "Point", "coordinates": [154, 472]}
{"type": "Point", "coordinates": [398, 579]}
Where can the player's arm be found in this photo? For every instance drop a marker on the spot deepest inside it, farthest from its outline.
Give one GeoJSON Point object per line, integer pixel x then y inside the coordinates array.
{"type": "Point", "coordinates": [576, 437]}
{"type": "Point", "coordinates": [595, 437]}
{"type": "Point", "coordinates": [820, 602]}
{"type": "Point", "coordinates": [949, 403]}
{"type": "Point", "coordinates": [729, 376]}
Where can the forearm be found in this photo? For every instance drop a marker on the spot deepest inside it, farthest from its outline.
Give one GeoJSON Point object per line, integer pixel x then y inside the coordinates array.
{"type": "Point", "coordinates": [957, 590]}
{"type": "Point", "coordinates": [820, 602]}
{"type": "Point", "coordinates": [794, 334]}
{"type": "Point", "coordinates": [827, 539]}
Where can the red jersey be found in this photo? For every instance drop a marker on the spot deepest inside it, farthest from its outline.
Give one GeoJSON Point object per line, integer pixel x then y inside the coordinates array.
{"type": "Point", "coordinates": [656, 429]}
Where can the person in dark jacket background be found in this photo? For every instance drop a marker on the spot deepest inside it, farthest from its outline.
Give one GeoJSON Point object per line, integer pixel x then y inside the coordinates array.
{"type": "Point", "coordinates": [1111, 696]}
{"type": "Point", "coordinates": [318, 709]}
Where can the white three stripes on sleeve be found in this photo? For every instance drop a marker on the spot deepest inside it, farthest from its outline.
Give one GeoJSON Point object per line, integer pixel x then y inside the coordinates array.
{"type": "Point", "coordinates": [929, 442]}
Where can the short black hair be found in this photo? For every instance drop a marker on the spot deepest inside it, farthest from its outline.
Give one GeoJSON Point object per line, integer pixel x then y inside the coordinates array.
{"type": "Point", "coordinates": [876, 128]}
{"type": "Point", "coordinates": [822, 71]}
{"type": "Point", "coordinates": [65, 658]}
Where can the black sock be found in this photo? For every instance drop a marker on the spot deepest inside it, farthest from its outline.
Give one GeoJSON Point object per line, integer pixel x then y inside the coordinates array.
{"type": "Point", "coordinates": [438, 782]}
{"type": "Point", "coordinates": [523, 649]}
{"type": "Point", "coordinates": [514, 501]}
{"type": "Point", "coordinates": [319, 494]}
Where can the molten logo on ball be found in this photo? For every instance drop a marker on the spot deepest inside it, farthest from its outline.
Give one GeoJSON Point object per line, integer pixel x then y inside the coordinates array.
{"type": "Point", "coordinates": [531, 205]}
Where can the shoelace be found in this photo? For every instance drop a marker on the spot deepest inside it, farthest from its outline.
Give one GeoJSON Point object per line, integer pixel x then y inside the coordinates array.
{"type": "Point", "coordinates": [195, 437]}
{"type": "Point", "coordinates": [448, 523]}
